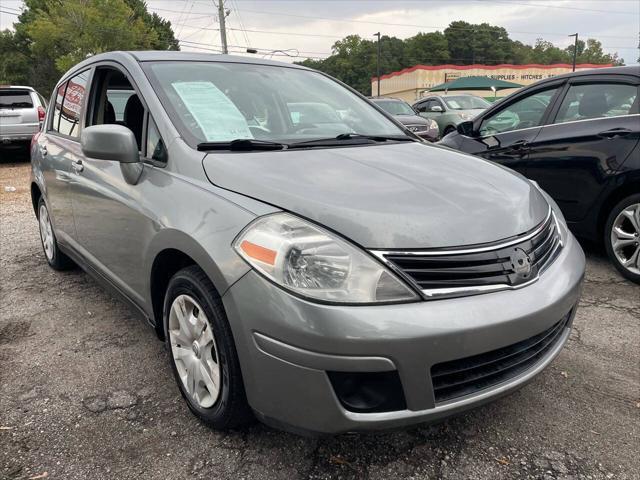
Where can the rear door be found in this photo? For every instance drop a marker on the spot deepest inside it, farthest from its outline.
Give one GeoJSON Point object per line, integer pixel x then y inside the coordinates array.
{"type": "Point", "coordinates": [60, 151]}
{"type": "Point", "coordinates": [592, 131]}
{"type": "Point", "coordinates": [505, 134]}
{"type": "Point", "coordinates": [18, 113]}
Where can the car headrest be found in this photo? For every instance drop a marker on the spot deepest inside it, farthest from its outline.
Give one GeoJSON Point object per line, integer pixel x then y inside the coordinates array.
{"type": "Point", "coordinates": [134, 116]}
{"type": "Point", "coordinates": [109, 113]}
{"type": "Point", "coordinates": [593, 104]}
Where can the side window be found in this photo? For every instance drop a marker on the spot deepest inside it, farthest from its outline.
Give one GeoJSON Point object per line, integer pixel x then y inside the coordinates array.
{"type": "Point", "coordinates": [72, 105]}
{"type": "Point", "coordinates": [596, 101]}
{"type": "Point", "coordinates": [422, 107]}
{"type": "Point", "coordinates": [524, 113]}
{"type": "Point", "coordinates": [55, 121]}
{"type": "Point", "coordinates": [155, 148]}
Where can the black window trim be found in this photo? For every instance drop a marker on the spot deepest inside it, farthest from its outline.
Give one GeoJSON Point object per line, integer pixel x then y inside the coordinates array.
{"type": "Point", "coordinates": [590, 80]}
{"type": "Point", "coordinates": [145, 132]}
{"type": "Point", "coordinates": [560, 85]}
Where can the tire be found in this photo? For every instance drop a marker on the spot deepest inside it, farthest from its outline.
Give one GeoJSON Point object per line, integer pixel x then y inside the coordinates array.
{"type": "Point", "coordinates": [448, 130]}
{"type": "Point", "coordinates": [190, 294]}
{"type": "Point", "coordinates": [622, 237]}
{"type": "Point", "coordinates": [55, 258]}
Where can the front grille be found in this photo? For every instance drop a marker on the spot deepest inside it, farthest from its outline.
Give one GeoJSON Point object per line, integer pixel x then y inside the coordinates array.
{"type": "Point", "coordinates": [417, 128]}
{"type": "Point", "coordinates": [447, 273]}
{"type": "Point", "coordinates": [466, 376]}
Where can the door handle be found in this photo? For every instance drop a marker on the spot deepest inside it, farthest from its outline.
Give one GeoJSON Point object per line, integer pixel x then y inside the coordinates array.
{"type": "Point", "coordinates": [43, 150]}
{"type": "Point", "coordinates": [615, 132]}
{"type": "Point", "coordinates": [77, 166]}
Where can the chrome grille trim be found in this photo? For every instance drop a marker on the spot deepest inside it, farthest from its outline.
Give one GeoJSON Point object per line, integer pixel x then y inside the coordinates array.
{"type": "Point", "coordinates": [456, 272]}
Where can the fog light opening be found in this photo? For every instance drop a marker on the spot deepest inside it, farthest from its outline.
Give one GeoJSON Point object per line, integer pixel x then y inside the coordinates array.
{"type": "Point", "coordinates": [368, 392]}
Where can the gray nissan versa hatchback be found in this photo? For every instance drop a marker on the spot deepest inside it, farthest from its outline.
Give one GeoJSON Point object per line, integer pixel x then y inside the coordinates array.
{"type": "Point", "coordinates": [323, 276]}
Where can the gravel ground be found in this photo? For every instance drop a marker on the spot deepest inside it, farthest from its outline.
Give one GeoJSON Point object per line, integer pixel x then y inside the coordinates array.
{"type": "Point", "coordinates": [87, 393]}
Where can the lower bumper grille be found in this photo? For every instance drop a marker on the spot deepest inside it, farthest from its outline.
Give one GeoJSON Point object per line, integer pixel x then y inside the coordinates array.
{"type": "Point", "coordinates": [466, 376]}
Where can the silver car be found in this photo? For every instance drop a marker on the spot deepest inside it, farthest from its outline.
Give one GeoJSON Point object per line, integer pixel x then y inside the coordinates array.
{"type": "Point", "coordinates": [320, 277]}
{"type": "Point", "coordinates": [22, 111]}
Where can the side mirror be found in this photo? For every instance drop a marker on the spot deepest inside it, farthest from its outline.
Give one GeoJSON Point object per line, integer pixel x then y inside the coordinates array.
{"type": "Point", "coordinates": [465, 128]}
{"type": "Point", "coordinates": [436, 108]}
{"type": "Point", "coordinates": [110, 142]}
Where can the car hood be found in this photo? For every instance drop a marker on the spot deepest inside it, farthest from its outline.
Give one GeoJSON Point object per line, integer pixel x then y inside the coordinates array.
{"type": "Point", "coordinates": [407, 195]}
{"type": "Point", "coordinates": [411, 119]}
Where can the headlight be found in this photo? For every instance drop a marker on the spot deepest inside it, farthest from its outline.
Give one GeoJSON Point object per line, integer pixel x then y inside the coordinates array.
{"type": "Point", "coordinates": [315, 263]}
{"type": "Point", "coordinates": [465, 116]}
{"type": "Point", "coordinates": [432, 124]}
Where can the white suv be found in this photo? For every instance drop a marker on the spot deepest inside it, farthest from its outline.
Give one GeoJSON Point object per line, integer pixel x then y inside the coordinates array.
{"type": "Point", "coordinates": [22, 111]}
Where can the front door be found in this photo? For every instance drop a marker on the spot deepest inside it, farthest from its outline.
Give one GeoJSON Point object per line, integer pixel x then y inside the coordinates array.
{"type": "Point", "coordinates": [112, 227]}
{"type": "Point", "coordinates": [595, 129]}
{"type": "Point", "coordinates": [505, 135]}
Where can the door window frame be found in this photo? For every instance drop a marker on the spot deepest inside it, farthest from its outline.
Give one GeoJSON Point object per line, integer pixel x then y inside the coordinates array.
{"type": "Point", "coordinates": [52, 111]}
{"type": "Point", "coordinates": [144, 156]}
{"type": "Point", "coordinates": [560, 86]}
{"type": "Point", "coordinates": [590, 80]}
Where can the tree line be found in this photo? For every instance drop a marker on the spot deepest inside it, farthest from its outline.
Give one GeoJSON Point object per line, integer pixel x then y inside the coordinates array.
{"type": "Point", "coordinates": [51, 36]}
{"type": "Point", "coordinates": [353, 58]}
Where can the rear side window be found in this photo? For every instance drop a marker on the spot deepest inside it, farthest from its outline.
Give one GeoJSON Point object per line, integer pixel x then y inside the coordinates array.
{"type": "Point", "coordinates": [13, 98]}
{"type": "Point", "coordinates": [597, 100]}
{"type": "Point", "coordinates": [72, 105]}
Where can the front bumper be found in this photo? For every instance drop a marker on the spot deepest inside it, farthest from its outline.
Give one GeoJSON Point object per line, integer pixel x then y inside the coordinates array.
{"type": "Point", "coordinates": [286, 345]}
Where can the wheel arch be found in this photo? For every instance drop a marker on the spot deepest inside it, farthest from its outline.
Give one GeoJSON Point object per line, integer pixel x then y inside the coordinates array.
{"type": "Point", "coordinates": [627, 189]}
{"type": "Point", "coordinates": [173, 250]}
{"type": "Point", "coordinates": [36, 193]}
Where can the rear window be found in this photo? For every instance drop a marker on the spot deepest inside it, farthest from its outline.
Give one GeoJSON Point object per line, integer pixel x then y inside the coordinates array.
{"type": "Point", "coordinates": [15, 99]}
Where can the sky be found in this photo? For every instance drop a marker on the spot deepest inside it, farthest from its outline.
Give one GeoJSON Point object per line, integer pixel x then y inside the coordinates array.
{"type": "Point", "coordinates": [308, 28]}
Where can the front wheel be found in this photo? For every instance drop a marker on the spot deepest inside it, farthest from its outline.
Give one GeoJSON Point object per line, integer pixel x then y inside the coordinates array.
{"type": "Point", "coordinates": [622, 237]}
{"type": "Point", "coordinates": [202, 351]}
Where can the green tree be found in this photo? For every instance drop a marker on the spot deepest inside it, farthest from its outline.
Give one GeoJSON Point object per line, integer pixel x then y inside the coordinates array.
{"type": "Point", "coordinates": [427, 49]}
{"type": "Point", "coordinates": [52, 35]}
{"type": "Point", "coordinates": [73, 30]}
{"type": "Point", "coordinates": [14, 64]}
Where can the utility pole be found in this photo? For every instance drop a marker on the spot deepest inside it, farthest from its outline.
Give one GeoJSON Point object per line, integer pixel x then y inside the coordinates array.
{"type": "Point", "coordinates": [378, 63]}
{"type": "Point", "coordinates": [575, 51]}
{"type": "Point", "coordinates": [223, 30]}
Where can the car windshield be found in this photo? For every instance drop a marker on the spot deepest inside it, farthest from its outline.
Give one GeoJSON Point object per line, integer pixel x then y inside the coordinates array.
{"type": "Point", "coordinates": [395, 107]}
{"type": "Point", "coordinates": [465, 102]}
{"type": "Point", "coordinates": [221, 102]}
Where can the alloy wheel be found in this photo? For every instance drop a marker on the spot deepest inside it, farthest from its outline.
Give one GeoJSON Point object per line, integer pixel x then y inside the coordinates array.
{"type": "Point", "coordinates": [46, 232]}
{"type": "Point", "coordinates": [625, 238]}
{"type": "Point", "coordinates": [193, 347]}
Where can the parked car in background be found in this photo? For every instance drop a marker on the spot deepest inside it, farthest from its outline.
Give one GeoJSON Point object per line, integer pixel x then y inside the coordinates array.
{"type": "Point", "coordinates": [323, 282]}
{"type": "Point", "coordinates": [578, 136]}
{"type": "Point", "coordinates": [22, 111]}
{"type": "Point", "coordinates": [423, 127]}
{"type": "Point", "coordinates": [449, 110]}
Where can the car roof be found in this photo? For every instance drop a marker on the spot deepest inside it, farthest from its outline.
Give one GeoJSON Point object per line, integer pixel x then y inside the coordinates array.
{"type": "Point", "coordinates": [16, 87]}
{"type": "Point", "coordinates": [173, 55]}
{"type": "Point", "coordinates": [626, 70]}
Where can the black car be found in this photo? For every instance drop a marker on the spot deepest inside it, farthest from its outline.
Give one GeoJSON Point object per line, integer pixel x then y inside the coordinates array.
{"type": "Point", "coordinates": [578, 136]}
{"type": "Point", "coordinates": [425, 128]}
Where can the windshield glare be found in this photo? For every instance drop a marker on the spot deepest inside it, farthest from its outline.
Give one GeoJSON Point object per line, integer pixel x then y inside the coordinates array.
{"type": "Point", "coordinates": [395, 107]}
{"type": "Point", "coordinates": [220, 102]}
{"type": "Point", "coordinates": [465, 102]}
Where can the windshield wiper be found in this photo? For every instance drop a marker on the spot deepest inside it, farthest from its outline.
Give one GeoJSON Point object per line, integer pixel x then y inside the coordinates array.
{"type": "Point", "coordinates": [351, 136]}
{"type": "Point", "coordinates": [242, 145]}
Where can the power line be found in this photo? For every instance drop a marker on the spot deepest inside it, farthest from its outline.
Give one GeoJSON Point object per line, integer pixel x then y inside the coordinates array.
{"type": "Point", "coordinates": [563, 7]}
{"type": "Point", "coordinates": [436, 27]}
